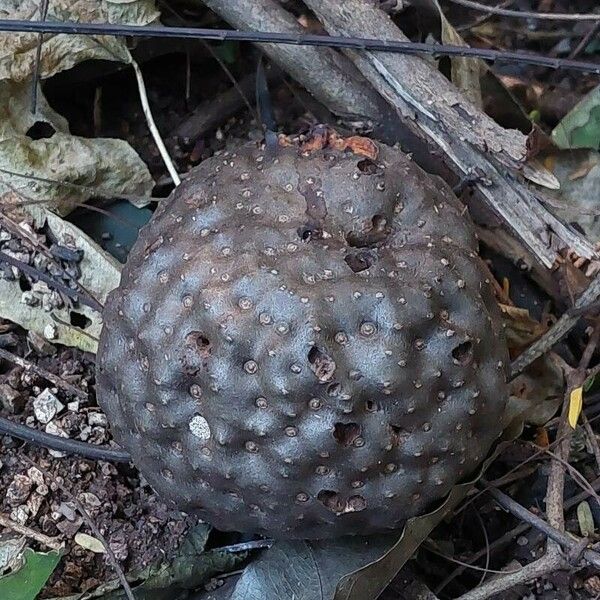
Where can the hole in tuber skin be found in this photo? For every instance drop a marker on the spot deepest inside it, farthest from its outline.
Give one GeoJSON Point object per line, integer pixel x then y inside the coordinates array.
{"type": "Point", "coordinates": [359, 261]}
{"type": "Point", "coordinates": [346, 433]}
{"type": "Point", "coordinates": [371, 406]}
{"type": "Point", "coordinates": [373, 234]}
{"type": "Point", "coordinates": [331, 500]}
{"type": "Point", "coordinates": [463, 353]}
{"type": "Point", "coordinates": [321, 364]}
{"type": "Point", "coordinates": [398, 435]}
{"type": "Point", "coordinates": [199, 342]}
{"type": "Point", "coordinates": [334, 502]}
{"type": "Point", "coordinates": [368, 167]}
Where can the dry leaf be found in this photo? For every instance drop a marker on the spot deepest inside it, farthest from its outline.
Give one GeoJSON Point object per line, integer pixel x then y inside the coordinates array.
{"type": "Point", "coordinates": [62, 51]}
{"type": "Point", "coordinates": [100, 273]}
{"type": "Point", "coordinates": [105, 164]}
{"type": "Point", "coordinates": [90, 543]}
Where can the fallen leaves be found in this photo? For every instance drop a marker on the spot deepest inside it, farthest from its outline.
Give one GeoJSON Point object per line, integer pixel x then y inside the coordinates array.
{"type": "Point", "coordinates": [41, 146]}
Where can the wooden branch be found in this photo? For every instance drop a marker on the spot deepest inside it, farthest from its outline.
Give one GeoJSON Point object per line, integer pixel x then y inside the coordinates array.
{"type": "Point", "coordinates": [471, 141]}
{"type": "Point", "coordinates": [328, 75]}
{"type": "Point", "coordinates": [566, 322]}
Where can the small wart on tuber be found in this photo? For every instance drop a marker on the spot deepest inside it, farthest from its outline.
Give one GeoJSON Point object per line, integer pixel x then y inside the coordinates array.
{"type": "Point", "coordinates": [305, 343]}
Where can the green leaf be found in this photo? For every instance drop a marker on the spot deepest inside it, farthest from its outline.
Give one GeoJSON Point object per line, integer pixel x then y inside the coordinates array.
{"type": "Point", "coordinates": [28, 581]}
{"type": "Point", "coordinates": [580, 128]}
{"type": "Point", "coordinates": [586, 519]}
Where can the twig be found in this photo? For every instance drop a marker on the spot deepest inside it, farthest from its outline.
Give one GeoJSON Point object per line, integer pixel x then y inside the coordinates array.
{"type": "Point", "coordinates": [301, 39]}
{"type": "Point", "coordinates": [566, 322]}
{"type": "Point", "coordinates": [77, 295]}
{"type": "Point", "coordinates": [549, 562]}
{"type": "Point", "coordinates": [6, 521]}
{"type": "Point", "coordinates": [90, 523]}
{"type": "Point", "coordinates": [246, 546]}
{"type": "Point", "coordinates": [61, 444]}
{"type": "Point", "coordinates": [51, 377]}
{"type": "Point", "coordinates": [519, 511]}
{"type": "Point", "coordinates": [591, 436]}
{"type": "Point", "coordinates": [38, 56]}
{"type": "Point", "coordinates": [585, 40]}
{"type": "Point", "coordinates": [164, 153]}
{"type": "Point", "coordinates": [481, 19]}
{"type": "Point", "coordinates": [512, 535]}
{"type": "Point", "coordinates": [429, 548]}
{"type": "Point", "coordinates": [525, 14]}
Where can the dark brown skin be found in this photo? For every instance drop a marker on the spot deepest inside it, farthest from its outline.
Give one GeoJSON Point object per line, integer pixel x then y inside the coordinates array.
{"type": "Point", "coordinates": [305, 345]}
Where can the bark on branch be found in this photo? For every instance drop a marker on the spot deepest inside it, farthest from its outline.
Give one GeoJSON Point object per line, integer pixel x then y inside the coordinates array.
{"type": "Point", "coordinates": [328, 75]}
{"type": "Point", "coordinates": [473, 143]}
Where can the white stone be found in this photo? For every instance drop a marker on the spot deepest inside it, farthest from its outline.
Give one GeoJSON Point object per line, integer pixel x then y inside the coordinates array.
{"type": "Point", "coordinates": [46, 406]}
{"type": "Point", "coordinates": [97, 419]}
{"type": "Point", "coordinates": [50, 331]}
{"type": "Point", "coordinates": [199, 427]}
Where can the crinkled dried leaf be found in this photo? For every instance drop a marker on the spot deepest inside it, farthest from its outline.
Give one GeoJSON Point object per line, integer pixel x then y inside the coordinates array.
{"type": "Point", "coordinates": [104, 164]}
{"type": "Point", "coordinates": [62, 51]}
{"type": "Point", "coordinates": [100, 273]}
{"type": "Point", "coordinates": [536, 394]}
{"type": "Point", "coordinates": [27, 582]}
{"type": "Point", "coordinates": [308, 570]}
{"type": "Point", "coordinates": [578, 200]}
{"type": "Point", "coordinates": [580, 128]}
{"type": "Point", "coordinates": [466, 72]}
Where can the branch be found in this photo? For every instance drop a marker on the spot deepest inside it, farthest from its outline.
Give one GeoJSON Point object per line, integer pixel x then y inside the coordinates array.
{"type": "Point", "coordinates": [471, 142]}
{"type": "Point", "coordinates": [525, 14]}
{"type": "Point", "coordinates": [566, 322]}
{"type": "Point", "coordinates": [330, 77]}
{"type": "Point", "coordinates": [568, 543]}
{"type": "Point", "coordinates": [47, 375]}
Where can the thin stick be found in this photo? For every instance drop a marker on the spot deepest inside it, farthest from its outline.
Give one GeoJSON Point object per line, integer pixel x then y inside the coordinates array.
{"type": "Point", "coordinates": [585, 40]}
{"type": "Point", "coordinates": [77, 295]}
{"type": "Point", "coordinates": [90, 523]}
{"type": "Point", "coordinates": [566, 322]}
{"type": "Point", "coordinates": [6, 521]}
{"type": "Point", "coordinates": [591, 436]}
{"type": "Point", "coordinates": [354, 43]}
{"type": "Point", "coordinates": [164, 153]}
{"type": "Point", "coordinates": [519, 511]}
{"type": "Point", "coordinates": [35, 80]}
{"type": "Point", "coordinates": [525, 14]}
{"type": "Point", "coordinates": [51, 377]}
{"type": "Point", "coordinates": [543, 566]}
{"type": "Point", "coordinates": [512, 535]}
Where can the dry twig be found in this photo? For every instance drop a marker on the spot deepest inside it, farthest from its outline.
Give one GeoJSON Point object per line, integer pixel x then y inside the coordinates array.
{"type": "Point", "coordinates": [6, 521]}
{"type": "Point", "coordinates": [90, 523]}
{"type": "Point", "coordinates": [526, 14]}
{"type": "Point", "coordinates": [51, 377]}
